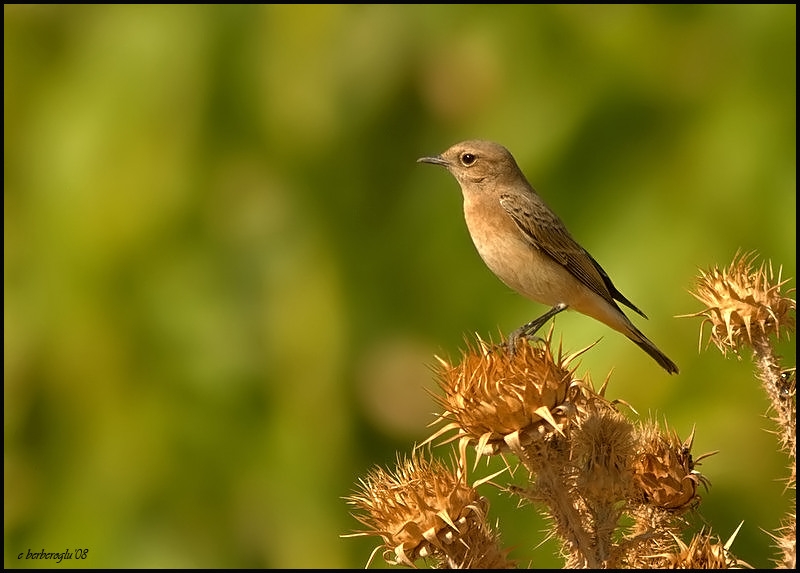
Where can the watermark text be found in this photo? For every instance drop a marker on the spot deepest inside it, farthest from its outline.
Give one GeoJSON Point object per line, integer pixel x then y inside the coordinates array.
{"type": "Point", "coordinates": [57, 556]}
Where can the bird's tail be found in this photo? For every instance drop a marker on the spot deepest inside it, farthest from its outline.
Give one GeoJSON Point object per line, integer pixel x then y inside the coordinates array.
{"type": "Point", "coordinates": [645, 344]}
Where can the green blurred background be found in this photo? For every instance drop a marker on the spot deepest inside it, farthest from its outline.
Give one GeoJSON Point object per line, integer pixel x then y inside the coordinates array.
{"type": "Point", "coordinates": [225, 276]}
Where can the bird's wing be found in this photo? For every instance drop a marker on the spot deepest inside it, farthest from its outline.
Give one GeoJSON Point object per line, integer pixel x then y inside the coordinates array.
{"type": "Point", "coordinates": [546, 232]}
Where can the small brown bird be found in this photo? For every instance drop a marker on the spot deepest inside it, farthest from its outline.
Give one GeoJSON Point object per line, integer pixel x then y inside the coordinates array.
{"type": "Point", "coordinates": [529, 248]}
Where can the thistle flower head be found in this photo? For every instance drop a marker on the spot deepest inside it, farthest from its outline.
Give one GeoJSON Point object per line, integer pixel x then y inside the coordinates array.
{"type": "Point", "coordinates": [499, 399]}
{"type": "Point", "coordinates": [424, 509]}
{"type": "Point", "coordinates": [702, 552]}
{"type": "Point", "coordinates": [664, 469]}
{"type": "Point", "coordinates": [742, 302]}
{"type": "Point", "coordinates": [604, 447]}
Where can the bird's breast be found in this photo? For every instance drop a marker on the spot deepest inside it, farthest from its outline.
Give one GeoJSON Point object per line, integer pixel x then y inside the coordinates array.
{"type": "Point", "coordinates": [514, 259]}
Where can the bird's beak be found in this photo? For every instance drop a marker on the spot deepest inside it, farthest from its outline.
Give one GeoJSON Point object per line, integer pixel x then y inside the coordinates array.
{"type": "Point", "coordinates": [435, 160]}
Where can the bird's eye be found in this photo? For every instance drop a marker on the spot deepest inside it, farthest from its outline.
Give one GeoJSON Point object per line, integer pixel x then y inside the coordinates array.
{"type": "Point", "coordinates": [468, 159]}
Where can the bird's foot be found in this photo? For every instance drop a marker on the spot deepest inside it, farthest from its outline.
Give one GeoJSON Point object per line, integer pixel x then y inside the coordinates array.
{"type": "Point", "coordinates": [528, 330]}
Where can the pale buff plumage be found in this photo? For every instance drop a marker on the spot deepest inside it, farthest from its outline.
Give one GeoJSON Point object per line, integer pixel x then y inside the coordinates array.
{"type": "Point", "coordinates": [528, 247]}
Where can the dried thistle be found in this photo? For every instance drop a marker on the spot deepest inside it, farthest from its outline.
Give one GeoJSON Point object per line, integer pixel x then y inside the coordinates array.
{"type": "Point", "coordinates": [423, 509]}
{"type": "Point", "coordinates": [601, 450]}
{"type": "Point", "coordinates": [744, 306]}
{"type": "Point", "coordinates": [702, 552]}
{"type": "Point", "coordinates": [501, 400]}
{"type": "Point", "coordinates": [526, 402]}
{"type": "Point", "coordinates": [604, 445]}
{"type": "Point", "coordinates": [664, 470]}
{"type": "Point", "coordinates": [742, 303]}
{"type": "Point", "coordinates": [665, 484]}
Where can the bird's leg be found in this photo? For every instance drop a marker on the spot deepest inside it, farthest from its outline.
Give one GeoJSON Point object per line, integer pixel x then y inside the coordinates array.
{"type": "Point", "coordinates": [529, 329]}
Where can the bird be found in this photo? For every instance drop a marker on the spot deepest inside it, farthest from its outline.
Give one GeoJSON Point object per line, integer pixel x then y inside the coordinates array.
{"type": "Point", "coordinates": [528, 246]}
